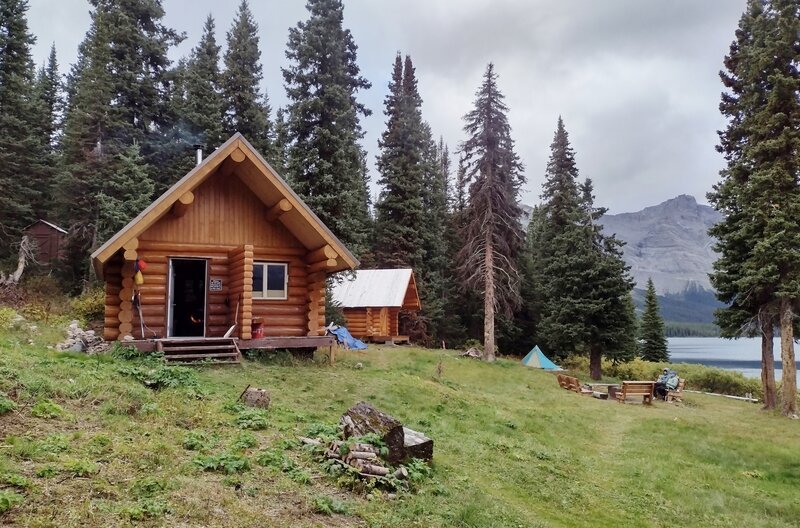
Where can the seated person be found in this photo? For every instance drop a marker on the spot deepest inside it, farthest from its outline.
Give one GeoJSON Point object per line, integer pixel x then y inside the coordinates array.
{"type": "Point", "coordinates": [667, 381]}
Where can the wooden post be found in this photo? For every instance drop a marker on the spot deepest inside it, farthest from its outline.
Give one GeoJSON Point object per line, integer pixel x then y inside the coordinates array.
{"type": "Point", "coordinates": [125, 315]}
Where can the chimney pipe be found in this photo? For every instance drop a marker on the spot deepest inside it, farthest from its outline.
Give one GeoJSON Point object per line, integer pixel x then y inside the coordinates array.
{"type": "Point", "coordinates": [199, 151]}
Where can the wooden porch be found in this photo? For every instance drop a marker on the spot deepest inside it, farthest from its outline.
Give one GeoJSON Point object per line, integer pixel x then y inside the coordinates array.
{"type": "Point", "coordinates": [226, 350]}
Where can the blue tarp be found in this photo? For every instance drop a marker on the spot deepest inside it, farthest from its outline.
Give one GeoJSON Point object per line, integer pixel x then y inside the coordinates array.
{"type": "Point", "coordinates": [344, 337]}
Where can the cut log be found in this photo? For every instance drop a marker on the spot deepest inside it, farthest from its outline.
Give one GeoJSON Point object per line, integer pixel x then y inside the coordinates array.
{"type": "Point", "coordinates": [363, 419]}
{"type": "Point", "coordinates": [256, 397]}
{"type": "Point", "coordinates": [417, 445]}
{"type": "Point", "coordinates": [361, 455]}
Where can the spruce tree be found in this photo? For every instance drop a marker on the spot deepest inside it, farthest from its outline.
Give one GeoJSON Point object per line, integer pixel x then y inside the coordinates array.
{"type": "Point", "coordinates": [585, 285]}
{"type": "Point", "coordinates": [22, 143]}
{"type": "Point", "coordinates": [492, 237]}
{"type": "Point", "coordinates": [203, 108]}
{"type": "Point", "coordinates": [124, 194]}
{"type": "Point", "coordinates": [758, 194]}
{"type": "Point", "coordinates": [326, 162]}
{"type": "Point", "coordinates": [281, 161]}
{"type": "Point", "coordinates": [653, 336]}
{"type": "Point", "coordinates": [118, 95]}
{"type": "Point", "coordinates": [246, 109]}
{"type": "Point", "coordinates": [47, 106]}
{"type": "Point", "coordinates": [400, 214]}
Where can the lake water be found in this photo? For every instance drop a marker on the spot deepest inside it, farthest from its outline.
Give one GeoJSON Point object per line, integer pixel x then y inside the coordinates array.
{"type": "Point", "coordinates": [742, 355]}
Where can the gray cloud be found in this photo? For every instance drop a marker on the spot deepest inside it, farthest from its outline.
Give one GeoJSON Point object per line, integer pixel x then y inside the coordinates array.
{"type": "Point", "coordinates": [635, 80]}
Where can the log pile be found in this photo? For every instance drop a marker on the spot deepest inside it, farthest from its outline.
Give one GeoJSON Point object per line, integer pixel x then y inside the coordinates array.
{"type": "Point", "coordinates": [365, 458]}
{"type": "Point", "coordinates": [401, 442]}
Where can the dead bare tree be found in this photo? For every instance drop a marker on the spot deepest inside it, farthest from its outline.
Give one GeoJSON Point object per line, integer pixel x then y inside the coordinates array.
{"type": "Point", "coordinates": [27, 254]}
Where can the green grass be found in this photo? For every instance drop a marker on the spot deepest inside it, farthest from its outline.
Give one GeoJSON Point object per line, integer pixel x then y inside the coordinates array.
{"type": "Point", "coordinates": [89, 444]}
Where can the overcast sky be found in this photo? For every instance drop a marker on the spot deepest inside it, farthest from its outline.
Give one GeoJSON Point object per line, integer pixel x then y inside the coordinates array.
{"type": "Point", "coordinates": [636, 81]}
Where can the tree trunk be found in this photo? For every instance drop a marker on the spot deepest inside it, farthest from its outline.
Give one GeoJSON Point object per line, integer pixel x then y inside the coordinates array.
{"type": "Point", "coordinates": [768, 362]}
{"type": "Point", "coordinates": [789, 381]}
{"type": "Point", "coordinates": [488, 300]}
{"type": "Point", "coordinates": [595, 365]}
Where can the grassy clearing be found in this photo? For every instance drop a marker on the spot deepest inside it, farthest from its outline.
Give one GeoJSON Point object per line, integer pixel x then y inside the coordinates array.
{"type": "Point", "coordinates": [87, 443]}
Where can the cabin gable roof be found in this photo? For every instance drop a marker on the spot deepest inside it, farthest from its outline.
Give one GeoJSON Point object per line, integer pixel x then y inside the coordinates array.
{"type": "Point", "coordinates": [236, 155]}
{"type": "Point", "coordinates": [394, 288]}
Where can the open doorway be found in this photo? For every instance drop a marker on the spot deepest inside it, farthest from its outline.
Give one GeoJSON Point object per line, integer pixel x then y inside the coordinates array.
{"type": "Point", "coordinates": [187, 308]}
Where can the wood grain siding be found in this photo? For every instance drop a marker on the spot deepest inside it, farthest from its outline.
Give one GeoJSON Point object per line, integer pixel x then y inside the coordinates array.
{"type": "Point", "coordinates": [284, 317]}
{"type": "Point", "coordinates": [226, 213]}
{"type": "Point", "coordinates": [315, 318]}
{"type": "Point", "coordinates": [241, 288]}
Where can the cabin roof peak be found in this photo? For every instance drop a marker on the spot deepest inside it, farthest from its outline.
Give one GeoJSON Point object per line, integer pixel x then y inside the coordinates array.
{"type": "Point", "coordinates": [261, 178]}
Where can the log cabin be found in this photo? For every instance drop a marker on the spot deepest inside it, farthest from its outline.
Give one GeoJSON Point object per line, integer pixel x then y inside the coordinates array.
{"type": "Point", "coordinates": [229, 251]}
{"type": "Point", "coordinates": [373, 300]}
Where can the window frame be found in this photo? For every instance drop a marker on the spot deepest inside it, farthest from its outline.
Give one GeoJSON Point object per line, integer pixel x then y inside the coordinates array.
{"type": "Point", "coordinates": [262, 296]}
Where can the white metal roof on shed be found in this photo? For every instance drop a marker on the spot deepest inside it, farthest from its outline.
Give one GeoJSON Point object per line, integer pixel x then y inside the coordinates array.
{"type": "Point", "coordinates": [370, 288]}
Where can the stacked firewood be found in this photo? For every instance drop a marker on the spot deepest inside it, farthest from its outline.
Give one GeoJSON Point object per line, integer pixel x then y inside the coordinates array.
{"type": "Point", "coordinates": [363, 457]}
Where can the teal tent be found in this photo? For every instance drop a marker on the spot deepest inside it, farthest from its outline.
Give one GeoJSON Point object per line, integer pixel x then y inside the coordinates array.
{"type": "Point", "coordinates": [537, 359]}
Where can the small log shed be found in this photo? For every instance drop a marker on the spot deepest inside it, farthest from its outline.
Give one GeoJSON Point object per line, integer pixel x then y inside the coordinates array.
{"type": "Point", "coordinates": [49, 239]}
{"type": "Point", "coordinates": [228, 244]}
{"type": "Point", "coordinates": [372, 302]}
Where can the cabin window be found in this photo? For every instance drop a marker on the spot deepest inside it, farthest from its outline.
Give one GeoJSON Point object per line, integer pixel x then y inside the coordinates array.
{"type": "Point", "coordinates": [270, 280]}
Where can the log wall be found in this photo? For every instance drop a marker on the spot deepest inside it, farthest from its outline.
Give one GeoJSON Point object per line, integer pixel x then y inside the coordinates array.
{"type": "Point", "coordinates": [284, 317]}
{"type": "Point", "coordinates": [366, 322]}
{"type": "Point", "coordinates": [113, 276]}
{"type": "Point", "coordinates": [241, 288]}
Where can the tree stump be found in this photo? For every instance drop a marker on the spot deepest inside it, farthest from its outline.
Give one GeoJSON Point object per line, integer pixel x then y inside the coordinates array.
{"type": "Point", "coordinates": [363, 418]}
{"type": "Point", "coordinates": [256, 397]}
{"type": "Point", "coordinates": [417, 445]}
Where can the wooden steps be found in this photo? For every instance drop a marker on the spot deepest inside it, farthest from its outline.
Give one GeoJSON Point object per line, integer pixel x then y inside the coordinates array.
{"type": "Point", "coordinates": [194, 350]}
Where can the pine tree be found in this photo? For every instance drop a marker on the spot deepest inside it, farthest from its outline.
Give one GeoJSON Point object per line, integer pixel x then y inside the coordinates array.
{"type": "Point", "coordinates": [758, 193]}
{"type": "Point", "coordinates": [585, 285]}
{"type": "Point", "coordinates": [246, 109]}
{"type": "Point", "coordinates": [326, 163]}
{"type": "Point", "coordinates": [400, 215]}
{"type": "Point", "coordinates": [48, 92]}
{"type": "Point", "coordinates": [492, 236]}
{"type": "Point", "coordinates": [203, 108]}
{"type": "Point", "coordinates": [22, 144]}
{"type": "Point", "coordinates": [653, 335]}
{"type": "Point", "coordinates": [281, 162]}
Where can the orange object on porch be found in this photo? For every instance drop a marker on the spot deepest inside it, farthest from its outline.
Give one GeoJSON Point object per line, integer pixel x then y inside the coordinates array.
{"type": "Point", "coordinates": [258, 329]}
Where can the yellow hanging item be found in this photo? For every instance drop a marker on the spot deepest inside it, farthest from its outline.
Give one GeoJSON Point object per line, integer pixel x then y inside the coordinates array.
{"type": "Point", "coordinates": [138, 278]}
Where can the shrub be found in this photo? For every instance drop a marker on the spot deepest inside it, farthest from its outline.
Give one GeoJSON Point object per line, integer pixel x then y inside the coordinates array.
{"type": "Point", "coordinates": [146, 509]}
{"type": "Point", "coordinates": [8, 318]}
{"type": "Point", "coordinates": [47, 471]}
{"type": "Point", "coordinates": [9, 499]}
{"type": "Point", "coordinates": [90, 305]}
{"type": "Point", "coordinates": [244, 440]}
{"type": "Point", "coordinates": [329, 505]}
{"type": "Point", "coordinates": [47, 409]}
{"type": "Point", "coordinates": [81, 468]}
{"type": "Point", "coordinates": [197, 441]}
{"type": "Point", "coordinates": [255, 419]}
{"type": "Point", "coordinates": [6, 405]}
{"type": "Point", "coordinates": [225, 462]}
{"type": "Point", "coordinates": [17, 481]}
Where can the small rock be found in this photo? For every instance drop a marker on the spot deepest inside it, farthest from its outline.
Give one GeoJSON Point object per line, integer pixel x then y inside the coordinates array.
{"type": "Point", "coordinates": [358, 366]}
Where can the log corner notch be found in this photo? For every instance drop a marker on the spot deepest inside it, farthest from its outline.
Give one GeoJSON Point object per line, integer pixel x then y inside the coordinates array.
{"type": "Point", "coordinates": [278, 210]}
{"type": "Point", "coordinates": [180, 207]}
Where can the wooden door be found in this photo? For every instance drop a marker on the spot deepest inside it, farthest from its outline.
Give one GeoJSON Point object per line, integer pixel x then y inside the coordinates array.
{"type": "Point", "coordinates": [384, 322]}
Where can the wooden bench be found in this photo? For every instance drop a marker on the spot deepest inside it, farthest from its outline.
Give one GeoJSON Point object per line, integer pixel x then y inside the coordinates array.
{"type": "Point", "coordinates": [677, 393]}
{"type": "Point", "coordinates": [572, 383]}
{"type": "Point", "coordinates": [637, 388]}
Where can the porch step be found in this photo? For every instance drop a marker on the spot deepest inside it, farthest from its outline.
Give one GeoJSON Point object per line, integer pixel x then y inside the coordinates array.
{"type": "Point", "coordinates": [194, 350]}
